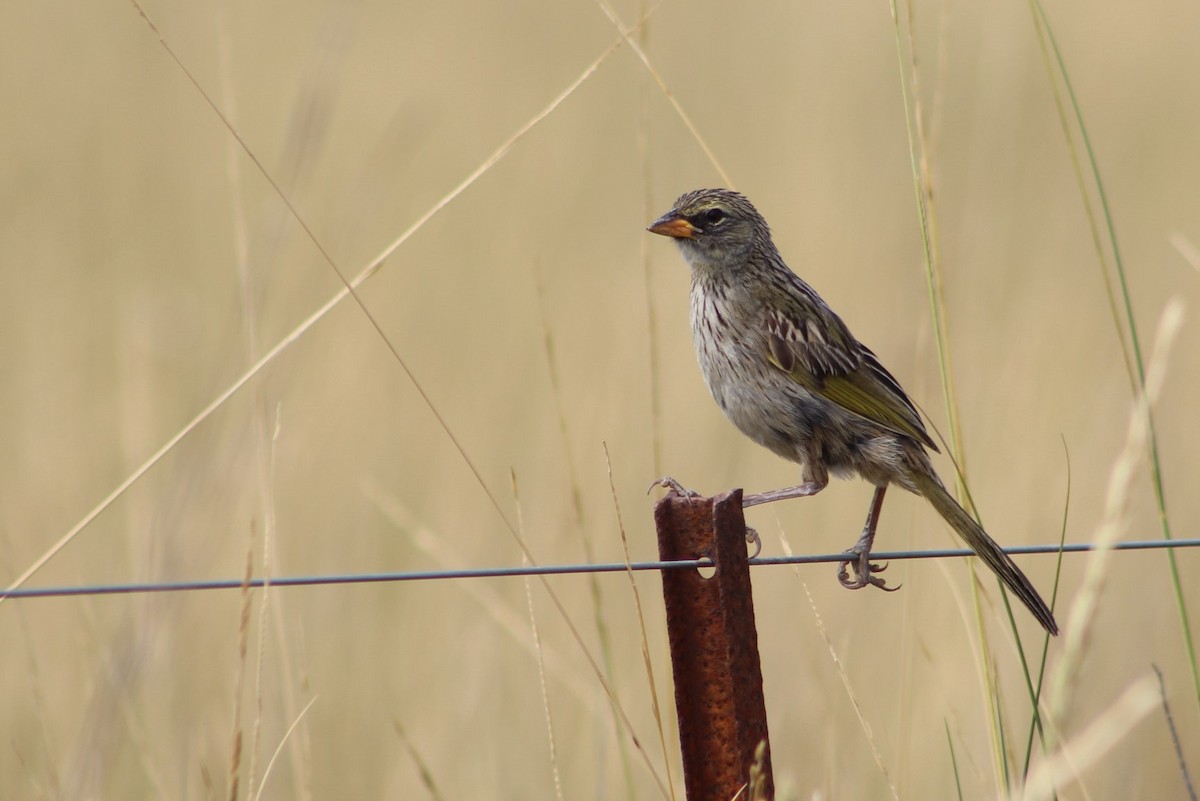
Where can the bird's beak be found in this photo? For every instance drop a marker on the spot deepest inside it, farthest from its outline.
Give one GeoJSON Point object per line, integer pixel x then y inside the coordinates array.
{"type": "Point", "coordinates": [674, 226]}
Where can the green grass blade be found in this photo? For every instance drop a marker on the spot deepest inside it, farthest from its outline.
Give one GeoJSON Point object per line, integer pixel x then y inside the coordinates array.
{"type": "Point", "coordinates": [954, 762]}
{"type": "Point", "coordinates": [1138, 378]}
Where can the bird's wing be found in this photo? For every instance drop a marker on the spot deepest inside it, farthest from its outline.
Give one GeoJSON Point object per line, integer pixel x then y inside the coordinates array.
{"type": "Point", "coordinates": [821, 354]}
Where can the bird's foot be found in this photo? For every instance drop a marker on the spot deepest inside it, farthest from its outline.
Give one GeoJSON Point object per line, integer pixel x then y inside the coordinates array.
{"type": "Point", "coordinates": [864, 572]}
{"type": "Point", "coordinates": [672, 487]}
{"type": "Point", "coordinates": [752, 538]}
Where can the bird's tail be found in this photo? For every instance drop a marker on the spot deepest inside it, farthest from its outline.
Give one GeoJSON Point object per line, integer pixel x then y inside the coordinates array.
{"type": "Point", "coordinates": [984, 547]}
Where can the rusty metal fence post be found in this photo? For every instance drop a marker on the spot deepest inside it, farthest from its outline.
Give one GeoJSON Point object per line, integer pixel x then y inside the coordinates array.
{"type": "Point", "coordinates": [714, 646]}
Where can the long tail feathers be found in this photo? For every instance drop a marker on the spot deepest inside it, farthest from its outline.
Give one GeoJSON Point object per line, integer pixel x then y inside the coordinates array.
{"type": "Point", "coordinates": [986, 548]}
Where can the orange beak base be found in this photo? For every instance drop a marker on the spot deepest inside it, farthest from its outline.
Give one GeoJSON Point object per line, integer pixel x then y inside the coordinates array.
{"type": "Point", "coordinates": [673, 226]}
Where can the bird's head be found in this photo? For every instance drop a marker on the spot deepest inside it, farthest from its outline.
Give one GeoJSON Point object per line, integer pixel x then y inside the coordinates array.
{"type": "Point", "coordinates": [714, 228]}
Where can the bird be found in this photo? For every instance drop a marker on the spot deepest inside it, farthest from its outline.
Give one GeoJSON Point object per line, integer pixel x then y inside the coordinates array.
{"type": "Point", "coordinates": [789, 374]}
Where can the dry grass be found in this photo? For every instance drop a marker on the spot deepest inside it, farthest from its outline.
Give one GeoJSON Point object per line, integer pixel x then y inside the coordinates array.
{"type": "Point", "coordinates": [148, 266]}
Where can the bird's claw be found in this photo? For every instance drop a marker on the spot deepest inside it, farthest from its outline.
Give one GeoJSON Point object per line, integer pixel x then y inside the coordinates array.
{"type": "Point", "coordinates": [672, 487]}
{"type": "Point", "coordinates": [752, 538]}
{"type": "Point", "coordinates": [864, 569]}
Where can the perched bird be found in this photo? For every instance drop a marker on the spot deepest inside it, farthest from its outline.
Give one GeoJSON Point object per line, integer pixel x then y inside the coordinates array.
{"type": "Point", "coordinates": [788, 372]}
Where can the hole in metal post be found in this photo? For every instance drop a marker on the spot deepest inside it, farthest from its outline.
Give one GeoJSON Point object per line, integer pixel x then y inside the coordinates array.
{"type": "Point", "coordinates": [707, 570]}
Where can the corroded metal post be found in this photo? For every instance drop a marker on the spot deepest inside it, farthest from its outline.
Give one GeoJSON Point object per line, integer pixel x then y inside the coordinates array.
{"type": "Point", "coordinates": [714, 645]}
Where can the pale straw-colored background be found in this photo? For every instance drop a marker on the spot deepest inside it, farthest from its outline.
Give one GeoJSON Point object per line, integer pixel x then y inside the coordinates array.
{"type": "Point", "coordinates": [147, 264]}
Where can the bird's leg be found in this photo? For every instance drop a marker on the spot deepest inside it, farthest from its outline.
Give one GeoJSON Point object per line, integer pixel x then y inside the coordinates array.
{"type": "Point", "coordinates": [672, 486]}
{"type": "Point", "coordinates": [770, 496]}
{"type": "Point", "coordinates": [861, 552]}
{"type": "Point", "coordinates": [814, 481]}
{"type": "Point", "coordinates": [815, 478]}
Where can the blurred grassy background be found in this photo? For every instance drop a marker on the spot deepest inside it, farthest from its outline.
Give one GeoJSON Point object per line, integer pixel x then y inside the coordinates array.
{"type": "Point", "coordinates": [147, 264]}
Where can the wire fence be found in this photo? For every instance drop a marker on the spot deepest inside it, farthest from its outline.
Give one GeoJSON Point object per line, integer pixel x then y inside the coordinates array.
{"type": "Point", "coordinates": [547, 570]}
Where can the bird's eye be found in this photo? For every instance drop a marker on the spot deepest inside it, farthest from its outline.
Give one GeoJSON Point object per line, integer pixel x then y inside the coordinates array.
{"type": "Point", "coordinates": [714, 216]}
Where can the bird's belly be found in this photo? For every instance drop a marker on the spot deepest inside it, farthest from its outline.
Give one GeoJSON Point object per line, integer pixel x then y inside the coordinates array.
{"type": "Point", "coordinates": [762, 402]}
{"type": "Point", "coordinates": [776, 412]}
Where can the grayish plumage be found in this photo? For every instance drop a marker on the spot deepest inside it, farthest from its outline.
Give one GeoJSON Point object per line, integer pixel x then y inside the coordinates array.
{"type": "Point", "coordinates": [790, 375]}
